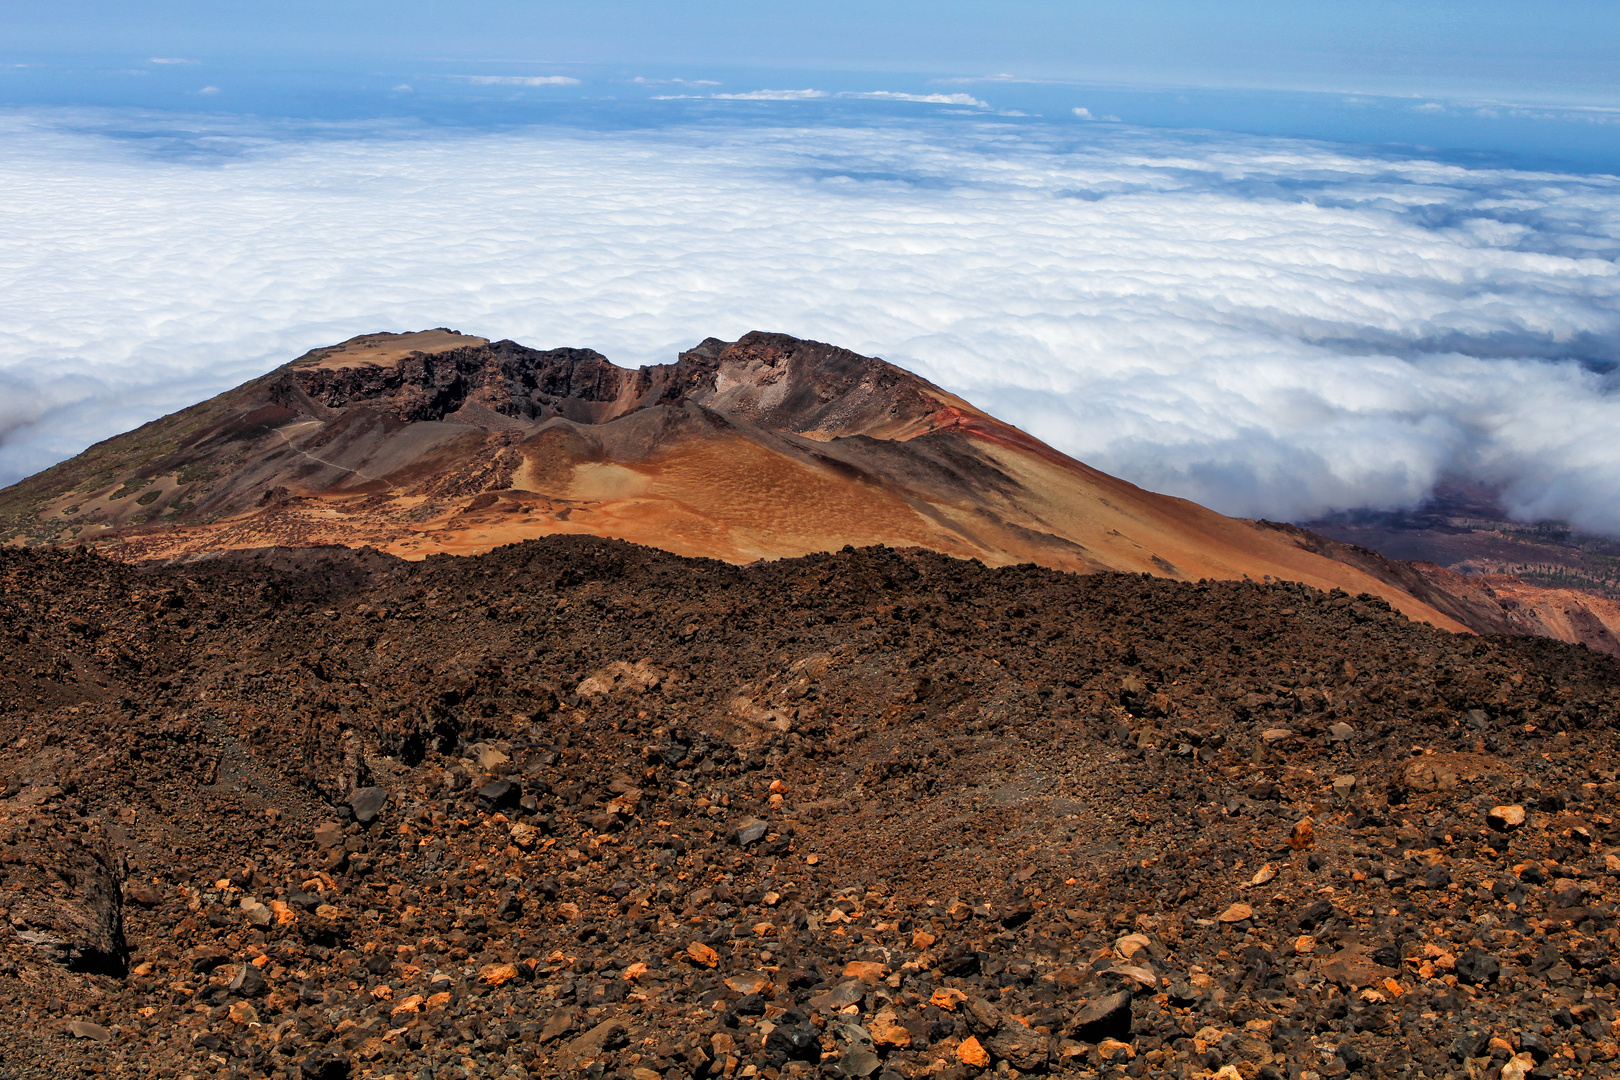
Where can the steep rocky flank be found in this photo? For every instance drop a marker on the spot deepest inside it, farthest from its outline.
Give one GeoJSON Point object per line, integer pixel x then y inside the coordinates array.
{"type": "Point", "coordinates": [766, 447]}
{"type": "Point", "coordinates": [581, 809]}
{"type": "Point", "coordinates": [1485, 603]}
{"type": "Point", "coordinates": [1464, 527]}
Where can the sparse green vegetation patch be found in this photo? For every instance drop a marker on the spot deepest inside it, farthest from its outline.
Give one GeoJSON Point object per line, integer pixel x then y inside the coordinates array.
{"type": "Point", "coordinates": [102, 465]}
{"type": "Point", "coordinates": [1593, 578]}
{"type": "Point", "coordinates": [149, 498]}
{"type": "Point", "coordinates": [131, 486]}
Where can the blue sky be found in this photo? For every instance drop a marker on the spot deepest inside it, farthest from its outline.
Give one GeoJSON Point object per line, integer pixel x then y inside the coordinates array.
{"type": "Point", "coordinates": [1485, 77]}
{"type": "Point", "coordinates": [1280, 258]}
{"type": "Point", "coordinates": [1562, 50]}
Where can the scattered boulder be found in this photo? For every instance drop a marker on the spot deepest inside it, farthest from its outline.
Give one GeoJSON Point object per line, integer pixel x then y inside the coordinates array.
{"type": "Point", "coordinates": [366, 803]}
{"type": "Point", "coordinates": [1023, 1049]}
{"type": "Point", "coordinates": [1107, 1017]}
{"type": "Point", "coordinates": [1505, 818]}
{"type": "Point", "coordinates": [749, 831]}
{"type": "Point", "coordinates": [1476, 967]}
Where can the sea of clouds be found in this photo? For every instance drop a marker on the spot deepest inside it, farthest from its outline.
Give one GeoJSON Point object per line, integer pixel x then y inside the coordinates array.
{"type": "Point", "coordinates": [1271, 327]}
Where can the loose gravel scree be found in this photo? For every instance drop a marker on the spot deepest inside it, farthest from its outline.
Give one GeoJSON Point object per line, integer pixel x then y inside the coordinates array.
{"type": "Point", "coordinates": [579, 808]}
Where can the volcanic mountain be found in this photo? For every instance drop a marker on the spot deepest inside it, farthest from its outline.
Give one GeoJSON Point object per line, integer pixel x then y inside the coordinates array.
{"type": "Point", "coordinates": [578, 808]}
{"type": "Point", "coordinates": [766, 447]}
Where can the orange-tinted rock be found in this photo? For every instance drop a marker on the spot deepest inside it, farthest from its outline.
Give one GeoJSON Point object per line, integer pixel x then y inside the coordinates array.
{"type": "Point", "coordinates": [866, 971]}
{"type": "Point", "coordinates": [408, 1006]}
{"type": "Point", "coordinates": [1505, 818]}
{"type": "Point", "coordinates": [498, 974]}
{"type": "Point", "coordinates": [971, 1053]}
{"type": "Point", "coordinates": [886, 1031]}
{"type": "Point", "coordinates": [750, 982]}
{"type": "Point", "coordinates": [1302, 836]}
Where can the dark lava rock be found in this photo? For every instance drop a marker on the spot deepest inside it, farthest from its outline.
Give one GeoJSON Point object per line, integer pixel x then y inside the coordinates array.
{"type": "Point", "coordinates": [748, 832]}
{"type": "Point", "coordinates": [499, 795]}
{"type": "Point", "coordinates": [1470, 1044]}
{"type": "Point", "coordinates": [249, 982]}
{"type": "Point", "coordinates": [1102, 1018]}
{"type": "Point", "coordinates": [859, 1061]}
{"type": "Point", "coordinates": [1536, 1046]}
{"type": "Point", "coordinates": [1017, 916]}
{"type": "Point", "coordinates": [62, 891]}
{"type": "Point", "coordinates": [839, 997]}
{"type": "Point", "coordinates": [1023, 1049]}
{"type": "Point", "coordinates": [795, 1042]}
{"type": "Point", "coordinates": [144, 895]}
{"type": "Point", "coordinates": [367, 803]}
{"type": "Point", "coordinates": [328, 1064]}
{"type": "Point", "coordinates": [961, 963]}
{"type": "Point", "coordinates": [1477, 967]}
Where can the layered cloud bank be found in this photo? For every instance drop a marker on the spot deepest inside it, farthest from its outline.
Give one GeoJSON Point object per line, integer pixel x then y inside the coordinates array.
{"type": "Point", "coordinates": [1270, 327]}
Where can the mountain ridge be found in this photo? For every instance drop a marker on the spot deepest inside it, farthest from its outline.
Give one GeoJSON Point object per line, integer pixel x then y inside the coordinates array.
{"type": "Point", "coordinates": [766, 447]}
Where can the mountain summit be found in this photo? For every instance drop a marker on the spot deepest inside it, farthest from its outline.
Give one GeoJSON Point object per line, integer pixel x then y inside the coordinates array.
{"type": "Point", "coordinates": [765, 447]}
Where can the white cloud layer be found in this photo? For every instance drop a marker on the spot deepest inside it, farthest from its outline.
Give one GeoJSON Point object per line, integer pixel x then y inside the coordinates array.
{"type": "Point", "coordinates": [926, 99]}
{"type": "Point", "coordinates": [1270, 327]}
{"type": "Point", "coordinates": [516, 80]}
{"type": "Point", "coordinates": [773, 95]}
{"type": "Point", "coordinates": [816, 95]}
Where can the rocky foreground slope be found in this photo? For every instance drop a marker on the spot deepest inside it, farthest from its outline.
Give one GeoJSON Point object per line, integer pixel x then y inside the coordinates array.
{"type": "Point", "coordinates": [579, 808]}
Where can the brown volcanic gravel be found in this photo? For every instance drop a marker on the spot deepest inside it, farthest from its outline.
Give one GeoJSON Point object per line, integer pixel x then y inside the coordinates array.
{"type": "Point", "coordinates": [873, 814]}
